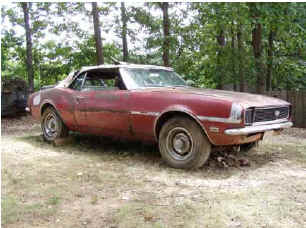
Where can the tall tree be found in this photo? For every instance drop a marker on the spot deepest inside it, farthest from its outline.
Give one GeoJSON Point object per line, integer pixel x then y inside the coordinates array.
{"type": "Point", "coordinates": [270, 59]}
{"type": "Point", "coordinates": [29, 61]}
{"type": "Point", "coordinates": [124, 32]}
{"type": "Point", "coordinates": [257, 47]}
{"type": "Point", "coordinates": [98, 39]}
{"type": "Point", "coordinates": [152, 28]}
{"type": "Point", "coordinates": [221, 42]}
{"type": "Point", "coordinates": [240, 59]}
{"type": "Point", "coordinates": [166, 29]}
{"type": "Point", "coordinates": [233, 53]}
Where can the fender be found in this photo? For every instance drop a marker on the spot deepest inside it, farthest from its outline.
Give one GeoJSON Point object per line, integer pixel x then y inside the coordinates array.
{"type": "Point", "coordinates": [62, 102]}
{"type": "Point", "coordinates": [49, 102]}
{"type": "Point", "coordinates": [182, 109]}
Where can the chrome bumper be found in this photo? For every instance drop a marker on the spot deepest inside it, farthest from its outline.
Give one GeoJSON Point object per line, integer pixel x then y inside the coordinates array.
{"type": "Point", "coordinates": [256, 129]}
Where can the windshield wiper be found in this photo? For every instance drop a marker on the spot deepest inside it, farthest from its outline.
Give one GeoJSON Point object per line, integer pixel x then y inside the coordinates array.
{"type": "Point", "coordinates": [181, 86]}
{"type": "Point", "coordinates": [174, 86]}
{"type": "Point", "coordinates": [154, 86]}
{"type": "Point", "coordinates": [166, 86]}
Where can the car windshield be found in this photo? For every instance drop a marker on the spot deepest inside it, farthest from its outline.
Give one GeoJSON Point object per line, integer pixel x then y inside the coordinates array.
{"type": "Point", "coordinates": [139, 78]}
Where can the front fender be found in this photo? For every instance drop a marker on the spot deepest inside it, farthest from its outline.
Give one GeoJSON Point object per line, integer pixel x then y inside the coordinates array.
{"type": "Point", "coordinates": [179, 109]}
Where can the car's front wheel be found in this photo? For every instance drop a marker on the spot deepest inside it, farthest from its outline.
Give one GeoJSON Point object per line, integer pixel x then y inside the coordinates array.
{"type": "Point", "coordinates": [52, 125]}
{"type": "Point", "coordinates": [183, 144]}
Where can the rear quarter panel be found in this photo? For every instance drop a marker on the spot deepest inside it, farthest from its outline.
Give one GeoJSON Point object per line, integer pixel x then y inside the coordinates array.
{"type": "Point", "coordinates": [60, 98]}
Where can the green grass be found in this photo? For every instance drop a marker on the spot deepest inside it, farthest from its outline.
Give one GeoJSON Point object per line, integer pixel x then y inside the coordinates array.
{"type": "Point", "coordinates": [9, 210]}
{"type": "Point", "coordinates": [53, 200]}
{"type": "Point", "coordinates": [137, 215]}
{"type": "Point", "coordinates": [13, 210]}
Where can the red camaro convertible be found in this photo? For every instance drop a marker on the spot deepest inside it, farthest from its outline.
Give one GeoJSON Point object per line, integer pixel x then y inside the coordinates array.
{"type": "Point", "coordinates": [153, 103]}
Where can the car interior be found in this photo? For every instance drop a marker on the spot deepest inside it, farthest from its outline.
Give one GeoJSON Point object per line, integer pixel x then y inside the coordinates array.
{"type": "Point", "coordinates": [98, 79]}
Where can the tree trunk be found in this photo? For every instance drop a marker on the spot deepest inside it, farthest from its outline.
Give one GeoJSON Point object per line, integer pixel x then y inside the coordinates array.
{"type": "Point", "coordinates": [270, 61]}
{"type": "Point", "coordinates": [240, 60]}
{"type": "Point", "coordinates": [98, 39]}
{"type": "Point", "coordinates": [166, 28]}
{"type": "Point", "coordinates": [256, 42]}
{"type": "Point", "coordinates": [29, 59]}
{"type": "Point", "coordinates": [221, 43]}
{"type": "Point", "coordinates": [233, 58]}
{"type": "Point", "coordinates": [124, 33]}
{"type": "Point", "coordinates": [257, 50]}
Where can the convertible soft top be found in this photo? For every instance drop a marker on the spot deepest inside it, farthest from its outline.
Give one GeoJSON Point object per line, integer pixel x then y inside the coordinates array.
{"type": "Point", "coordinates": [107, 67]}
{"type": "Point", "coordinates": [116, 67]}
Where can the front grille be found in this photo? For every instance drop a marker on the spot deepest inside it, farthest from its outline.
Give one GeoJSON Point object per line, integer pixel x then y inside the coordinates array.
{"type": "Point", "coordinates": [248, 116]}
{"type": "Point", "coordinates": [270, 114]}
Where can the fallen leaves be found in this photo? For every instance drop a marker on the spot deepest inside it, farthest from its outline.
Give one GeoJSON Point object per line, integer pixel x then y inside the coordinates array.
{"type": "Point", "coordinates": [228, 159]}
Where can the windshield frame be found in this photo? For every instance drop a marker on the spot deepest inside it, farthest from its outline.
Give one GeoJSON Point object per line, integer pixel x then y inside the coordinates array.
{"type": "Point", "coordinates": [131, 85]}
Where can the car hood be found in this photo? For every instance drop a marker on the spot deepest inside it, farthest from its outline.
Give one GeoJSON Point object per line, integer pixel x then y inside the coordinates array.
{"type": "Point", "coordinates": [244, 99]}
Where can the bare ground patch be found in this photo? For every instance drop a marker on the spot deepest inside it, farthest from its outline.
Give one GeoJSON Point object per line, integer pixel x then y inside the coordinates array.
{"type": "Point", "coordinates": [97, 182]}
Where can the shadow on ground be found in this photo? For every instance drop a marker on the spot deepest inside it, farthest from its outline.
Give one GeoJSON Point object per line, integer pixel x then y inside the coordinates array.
{"type": "Point", "coordinates": [89, 145]}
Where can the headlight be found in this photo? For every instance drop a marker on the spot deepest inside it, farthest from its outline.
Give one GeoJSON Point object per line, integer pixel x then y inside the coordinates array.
{"type": "Point", "coordinates": [236, 112]}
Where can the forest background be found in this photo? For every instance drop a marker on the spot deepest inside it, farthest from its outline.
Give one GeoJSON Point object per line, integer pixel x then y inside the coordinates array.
{"type": "Point", "coordinates": [257, 47]}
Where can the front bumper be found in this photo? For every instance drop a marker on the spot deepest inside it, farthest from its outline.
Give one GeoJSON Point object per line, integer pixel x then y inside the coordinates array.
{"type": "Point", "coordinates": [256, 129]}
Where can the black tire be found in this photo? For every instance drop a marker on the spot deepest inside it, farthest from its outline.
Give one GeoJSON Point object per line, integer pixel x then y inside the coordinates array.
{"type": "Point", "coordinates": [183, 144]}
{"type": "Point", "coordinates": [52, 125]}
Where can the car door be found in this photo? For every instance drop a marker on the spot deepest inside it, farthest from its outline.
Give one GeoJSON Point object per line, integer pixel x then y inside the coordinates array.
{"type": "Point", "coordinates": [79, 99]}
{"type": "Point", "coordinates": [101, 109]}
{"type": "Point", "coordinates": [108, 112]}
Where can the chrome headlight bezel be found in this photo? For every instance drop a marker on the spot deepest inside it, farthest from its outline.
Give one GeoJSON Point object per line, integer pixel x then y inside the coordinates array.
{"type": "Point", "coordinates": [236, 112]}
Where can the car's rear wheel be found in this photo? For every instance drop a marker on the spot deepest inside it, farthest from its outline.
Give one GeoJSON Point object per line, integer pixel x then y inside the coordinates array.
{"type": "Point", "coordinates": [183, 144]}
{"type": "Point", "coordinates": [52, 125]}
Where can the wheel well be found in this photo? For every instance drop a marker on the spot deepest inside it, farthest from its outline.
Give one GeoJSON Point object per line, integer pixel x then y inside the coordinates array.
{"type": "Point", "coordinates": [167, 116]}
{"type": "Point", "coordinates": [44, 107]}
{"type": "Point", "coordinates": [48, 105]}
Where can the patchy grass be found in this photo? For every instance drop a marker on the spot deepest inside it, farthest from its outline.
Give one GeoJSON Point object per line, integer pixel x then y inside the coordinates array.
{"type": "Point", "coordinates": [98, 182]}
{"type": "Point", "coordinates": [15, 211]}
{"type": "Point", "coordinates": [53, 200]}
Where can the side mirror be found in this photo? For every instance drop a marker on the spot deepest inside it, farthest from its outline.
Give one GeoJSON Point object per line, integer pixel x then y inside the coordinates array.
{"type": "Point", "coordinates": [190, 82]}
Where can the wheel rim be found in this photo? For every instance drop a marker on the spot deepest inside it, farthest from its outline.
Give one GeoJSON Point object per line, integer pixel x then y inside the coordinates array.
{"type": "Point", "coordinates": [51, 126]}
{"type": "Point", "coordinates": [179, 143]}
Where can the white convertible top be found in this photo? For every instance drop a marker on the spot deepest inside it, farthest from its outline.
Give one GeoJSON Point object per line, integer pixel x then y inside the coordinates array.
{"type": "Point", "coordinates": [111, 66]}
{"type": "Point", "coordinates": [69, 78]}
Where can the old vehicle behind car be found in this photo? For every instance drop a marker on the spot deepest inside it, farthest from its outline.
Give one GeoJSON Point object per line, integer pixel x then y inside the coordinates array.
{"type": "Point", "coordinates": [14, 95]}
{"type": "Point", "coordinates": [153, 103]}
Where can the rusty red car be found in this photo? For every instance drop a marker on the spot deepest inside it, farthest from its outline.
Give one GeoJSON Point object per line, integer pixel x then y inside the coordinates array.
{"type": "Point", "coordinates": [153, 103]}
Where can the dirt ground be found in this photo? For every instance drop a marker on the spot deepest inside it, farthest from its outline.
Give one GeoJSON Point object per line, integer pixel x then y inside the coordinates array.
{"type": "Point", "coordinates": [97, 182]}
